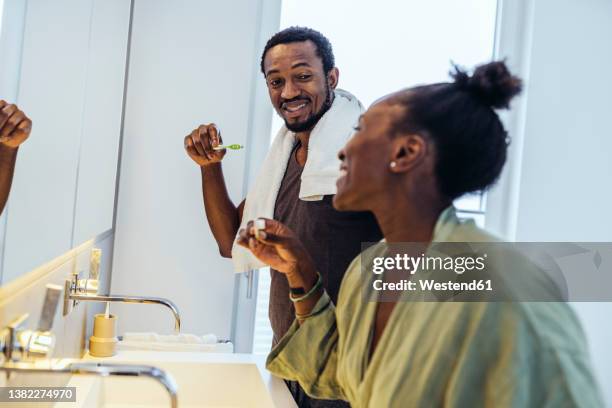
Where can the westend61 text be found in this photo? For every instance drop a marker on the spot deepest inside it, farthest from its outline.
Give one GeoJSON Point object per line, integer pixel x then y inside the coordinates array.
{"type": "Point", "coordinates": [431, 285]}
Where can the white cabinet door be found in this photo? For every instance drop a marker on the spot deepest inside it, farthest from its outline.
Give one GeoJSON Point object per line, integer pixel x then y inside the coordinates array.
{"type": "Point", "coordinates": [102, 114]}
{"type": "Point", "coordinates": [190, 63]}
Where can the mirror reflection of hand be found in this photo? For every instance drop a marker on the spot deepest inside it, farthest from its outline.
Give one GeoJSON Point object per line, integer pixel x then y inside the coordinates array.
{"type": "Point", "coordinates": [15, 126]}
{"type": "Point", "coordinates": [276, 245]}
{"type": "Point", "coordinates": [199, 145]}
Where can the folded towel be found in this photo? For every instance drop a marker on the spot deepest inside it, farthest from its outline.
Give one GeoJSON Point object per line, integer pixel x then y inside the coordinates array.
{"type": "Point", "coordinates": [210, 339]}
{"type": "Point", "coordinates": [182, 338]}
{"type": "Point", "coordinates": [226, 347]}
{"type": "Point", "coordinates": [143, 336]}
{"type": "Point", "coordinates": [320, 173]}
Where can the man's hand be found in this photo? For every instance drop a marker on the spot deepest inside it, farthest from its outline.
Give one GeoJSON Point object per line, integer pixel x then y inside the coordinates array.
{"type": "Point", "coordinates": [200, 143]}
{"type": "Point", "coordinates": [15, 126]}
{"type": "Point", "coordinates": [276, 245]}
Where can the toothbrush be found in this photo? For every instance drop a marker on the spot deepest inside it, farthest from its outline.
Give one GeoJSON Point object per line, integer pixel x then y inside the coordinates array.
{"type": "Point", "coordinates": [232, 147]}
{"type": "Point", "coordinates": [107, 312]}
{"type": "Point", "coordinates": [260, 224]}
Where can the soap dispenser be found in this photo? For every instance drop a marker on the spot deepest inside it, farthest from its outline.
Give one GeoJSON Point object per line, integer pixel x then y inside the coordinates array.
{"type": "Point", "coordinates": [103, 341]}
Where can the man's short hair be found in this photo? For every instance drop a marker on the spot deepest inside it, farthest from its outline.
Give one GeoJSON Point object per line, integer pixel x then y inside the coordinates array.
{"type": "Point", "coordinates": [299, 34]}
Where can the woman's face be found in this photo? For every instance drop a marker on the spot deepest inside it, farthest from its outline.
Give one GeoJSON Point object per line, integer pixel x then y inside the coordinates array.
{"type": "Point", "coordinates": [366, 159]}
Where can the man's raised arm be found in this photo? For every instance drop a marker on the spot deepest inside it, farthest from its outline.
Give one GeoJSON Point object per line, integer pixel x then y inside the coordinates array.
{"type": "Point", "coordinates": [15, 128]}
{"type": "Point", "coordinates": [223, 216]}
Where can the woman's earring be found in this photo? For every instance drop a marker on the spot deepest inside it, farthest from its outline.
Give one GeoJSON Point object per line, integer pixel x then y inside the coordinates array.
{"type": "Point", "coordinates": [392, 164]}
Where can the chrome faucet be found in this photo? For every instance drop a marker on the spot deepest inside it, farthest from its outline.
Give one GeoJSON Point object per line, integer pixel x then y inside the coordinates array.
{"type": "Point", "coordinates": [77, 290]}
{"type": "Point", "coordinates": [20, 344]}
{"type": "Point", "coordinates": [102, 370]}
{"type": "Point", "coordinates": [21, 351]}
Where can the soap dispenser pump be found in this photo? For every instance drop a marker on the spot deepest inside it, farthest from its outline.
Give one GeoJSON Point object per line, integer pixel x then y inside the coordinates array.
{"type": "Point", "coordinates": [103, 341]}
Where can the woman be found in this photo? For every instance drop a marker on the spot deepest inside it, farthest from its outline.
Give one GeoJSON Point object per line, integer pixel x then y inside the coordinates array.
{"type": "Point", "coordinates": [414, 152]}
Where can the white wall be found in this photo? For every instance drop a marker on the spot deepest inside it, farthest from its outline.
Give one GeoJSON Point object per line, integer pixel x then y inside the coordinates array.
{"type": "Point", "coordinates": [191, 62]}
{"type": "Point", "coordinates": [557, 184]}
{"type": "Point", "coordinates": [568, 133]}
{"type": "Point", "coordinates": [386, 45]}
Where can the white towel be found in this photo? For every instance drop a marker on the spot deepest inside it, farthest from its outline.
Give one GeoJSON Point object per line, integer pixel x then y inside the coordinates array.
{"type": "Point", "coordinates": [320, 173]}
{"type": "Point", "coordinates": [174, 342]}
{"type": "Point", "coordinates": [226, 347]}
{"type": "Point", "coordinates": [184, 338]}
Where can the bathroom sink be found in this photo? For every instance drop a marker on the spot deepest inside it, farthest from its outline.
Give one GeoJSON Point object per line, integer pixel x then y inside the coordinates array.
{"type": "Point", "coordinates": [203, 379]}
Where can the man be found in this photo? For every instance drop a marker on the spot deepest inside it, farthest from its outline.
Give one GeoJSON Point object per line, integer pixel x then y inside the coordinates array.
{"type": "Point", "coordinates": [297, 181]}
{"type": "Point", "coordinates": [15, 128]}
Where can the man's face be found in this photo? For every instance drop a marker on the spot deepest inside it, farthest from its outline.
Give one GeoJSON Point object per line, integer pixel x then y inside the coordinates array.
{"type": "Point", "coordinates": [299, 89]}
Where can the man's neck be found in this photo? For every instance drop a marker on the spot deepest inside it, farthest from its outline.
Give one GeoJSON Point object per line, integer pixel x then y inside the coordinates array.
{"type": "Point", "coordinates": [303, 137]}
{"type": "Point", "coordinates": [302, 153]}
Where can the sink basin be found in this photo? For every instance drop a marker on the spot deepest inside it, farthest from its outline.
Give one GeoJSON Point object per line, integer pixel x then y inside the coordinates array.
{"type": "Point", "coordinates": [203, 379]}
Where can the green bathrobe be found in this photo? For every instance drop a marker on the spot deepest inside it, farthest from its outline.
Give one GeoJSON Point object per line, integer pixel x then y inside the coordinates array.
{"type": "Point", "coordinates": [452, 354]}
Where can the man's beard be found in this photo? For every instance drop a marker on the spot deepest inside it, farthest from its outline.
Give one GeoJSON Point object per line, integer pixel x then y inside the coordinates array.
{"type": "Point", "coordinates": [312, 120]}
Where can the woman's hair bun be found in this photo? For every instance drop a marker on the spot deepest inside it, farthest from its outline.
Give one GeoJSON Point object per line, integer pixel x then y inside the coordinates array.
{"type": "Point", "coordinates": [491, 83]}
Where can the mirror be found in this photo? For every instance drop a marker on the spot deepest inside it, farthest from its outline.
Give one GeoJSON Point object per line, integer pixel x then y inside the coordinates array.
{"type": "Point", "coordinates": [65, 71]}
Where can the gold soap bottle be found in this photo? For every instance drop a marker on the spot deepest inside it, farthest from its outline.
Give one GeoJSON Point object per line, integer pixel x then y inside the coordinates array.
{"type": "Point", "coordinates": [103, 342]}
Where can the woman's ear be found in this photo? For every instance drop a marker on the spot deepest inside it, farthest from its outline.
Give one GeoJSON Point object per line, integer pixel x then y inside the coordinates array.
{"type": "Point", "coordinates": [332, 77]}
{"type": "Point", "coordinates": [407, 152]}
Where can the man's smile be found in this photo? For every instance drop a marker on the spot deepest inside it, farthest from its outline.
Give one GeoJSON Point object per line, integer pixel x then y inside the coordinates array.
{"type": "Point", "coordinates": [295, 108]}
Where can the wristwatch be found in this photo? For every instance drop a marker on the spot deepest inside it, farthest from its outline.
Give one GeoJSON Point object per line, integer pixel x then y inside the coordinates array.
{"type": "Point", "coordinates": [297, 291]}
{"type": "Point", "coordinates": [301, 291]}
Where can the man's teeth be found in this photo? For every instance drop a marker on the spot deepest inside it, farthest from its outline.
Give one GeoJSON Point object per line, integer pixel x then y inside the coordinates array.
{"type": "Point", "coordinates": [295, 108]}
{"type": "Point", "coordinates": [343, 172]}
